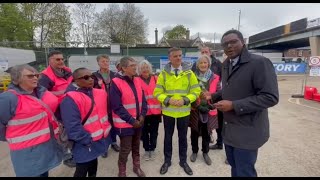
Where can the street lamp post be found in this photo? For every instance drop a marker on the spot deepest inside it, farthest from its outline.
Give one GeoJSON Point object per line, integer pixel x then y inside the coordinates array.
{"type": "Point", "coordinates": [84, 39]}
{"type": "Point", "coordinates": [239, 20]}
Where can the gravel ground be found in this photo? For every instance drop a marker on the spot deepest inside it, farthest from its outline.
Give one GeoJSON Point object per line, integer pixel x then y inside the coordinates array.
{"type": "Point", "coordinates": [292, 150]}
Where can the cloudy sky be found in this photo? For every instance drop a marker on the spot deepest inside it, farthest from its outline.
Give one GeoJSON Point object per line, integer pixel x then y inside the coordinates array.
{"type": "Point", "coordinates": [210, 18]}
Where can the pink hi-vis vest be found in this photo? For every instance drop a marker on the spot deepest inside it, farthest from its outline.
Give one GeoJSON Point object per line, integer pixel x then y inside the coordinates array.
{"type": "Point", "coordinates": [212, 89]}
{"type": "Point", "coordinates": [60, 84]}
{"type": "Point", "coordinates": [154, 107]}
{"type": "Point", "coordinates": [97, 124]}
{"type": "Point", "coordinates": [30, 125]}
{"type": "Point", "coordinates": [128, 101]}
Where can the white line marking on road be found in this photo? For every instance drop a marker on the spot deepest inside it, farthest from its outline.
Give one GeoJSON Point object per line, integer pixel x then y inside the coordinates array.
{"type": "Point", "coordinates": [297, 102]}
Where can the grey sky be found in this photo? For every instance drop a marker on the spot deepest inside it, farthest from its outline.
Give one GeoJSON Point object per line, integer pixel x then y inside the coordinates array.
{"type": "Point", "coordinates": [207, 18]}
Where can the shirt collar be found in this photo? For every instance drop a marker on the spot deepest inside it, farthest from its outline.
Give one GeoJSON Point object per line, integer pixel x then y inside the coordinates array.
{"type": "Point", "coordinates": [235, 60]}
{"type": "Point", "coordinates": [180, 68]}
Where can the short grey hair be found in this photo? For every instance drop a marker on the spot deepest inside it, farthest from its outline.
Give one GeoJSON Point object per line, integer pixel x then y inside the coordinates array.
{"type": "Point", "coordinates": [204, 56]}
{"type": "Point", "coordinates": [102, 56]}
{"type": "Point", "coordinates": [125, 61]}
{"type": "Point", "coordinates": [143, 62]}
{"type": "Point", "coordinates": [16, 72]}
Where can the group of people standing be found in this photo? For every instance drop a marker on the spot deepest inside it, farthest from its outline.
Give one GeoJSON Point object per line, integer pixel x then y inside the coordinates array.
{"type": "Point", "coordinates": [94, 108]}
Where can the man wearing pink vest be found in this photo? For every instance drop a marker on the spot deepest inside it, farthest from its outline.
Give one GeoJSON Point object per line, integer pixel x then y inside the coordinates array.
{"type": "Point", "coordinates": [56, 78]}
{"type": "Point", "coordinates": [129, 109]}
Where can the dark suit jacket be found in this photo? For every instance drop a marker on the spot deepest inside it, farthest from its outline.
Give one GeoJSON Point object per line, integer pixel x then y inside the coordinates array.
{"type": "Point", "coordinates": [252, 87]}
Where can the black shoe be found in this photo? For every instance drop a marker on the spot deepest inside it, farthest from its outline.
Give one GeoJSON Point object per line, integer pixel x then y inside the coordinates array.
{"type": "Point", "coordinates": [105, 155]}
{"type": "Point", "coordinates": [207, 159]}
{"type": "Point", "coordinates": [115, 147]}
{"type": "Point", "coordinates": [186, 168]}
{"type": "Point", "coordinates": [193, 157]}
{"type": "Point", "coordinates": [70, 163]}
{"type": "Point", "coordinates": [216, 147]}
{"type": "Point", "coordinates": [164, 168]}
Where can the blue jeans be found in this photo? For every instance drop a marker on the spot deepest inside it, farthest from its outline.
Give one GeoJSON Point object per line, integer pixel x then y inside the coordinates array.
{"type": "Point", "coordinates": [242, 161]}
{"type": "Point", "coordinates": [45, 174]}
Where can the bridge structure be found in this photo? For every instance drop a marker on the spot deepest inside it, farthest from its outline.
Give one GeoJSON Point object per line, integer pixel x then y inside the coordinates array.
{"type": "Point", "coordinates": [300, 33]}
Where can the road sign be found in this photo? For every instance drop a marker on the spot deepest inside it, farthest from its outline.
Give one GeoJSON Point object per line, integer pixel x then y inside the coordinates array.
{"type": "Point", "coordinates": [315, 71]}
{"type": "Point", "coordinates": [314, 61]}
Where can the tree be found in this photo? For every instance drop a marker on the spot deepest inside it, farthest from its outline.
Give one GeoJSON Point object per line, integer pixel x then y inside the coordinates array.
{"type": "Point", "coordinates": [60, 31]}
{"type": "Point", "coordinates": [126, 25]}
{"type": "Point", "coordinates": [84, 14]}
{"type": "Point", "coordinates": [13, 25]}
{"type": "Point", "coordinates": [178, 32]}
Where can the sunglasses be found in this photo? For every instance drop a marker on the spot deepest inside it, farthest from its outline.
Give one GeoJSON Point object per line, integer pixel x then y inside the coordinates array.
{"type": "Point", "coordinates": [86, 77]}
{"type": "Point", "coordinates": [31, 76]}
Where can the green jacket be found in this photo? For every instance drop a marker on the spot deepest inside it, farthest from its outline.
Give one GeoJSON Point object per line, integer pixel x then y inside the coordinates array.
{"type": "Point", "coordinates": [185, 86]}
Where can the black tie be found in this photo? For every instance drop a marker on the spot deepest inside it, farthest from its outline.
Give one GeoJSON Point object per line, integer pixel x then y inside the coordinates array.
{"type": "Point", "coordinates": [176, 72]}
{"type": "Point", "coordinates": [231, 66]}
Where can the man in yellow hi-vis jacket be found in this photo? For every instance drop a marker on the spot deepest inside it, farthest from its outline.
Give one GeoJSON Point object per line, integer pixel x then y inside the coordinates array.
{"type": "Point", "coordinates": [177, 87]}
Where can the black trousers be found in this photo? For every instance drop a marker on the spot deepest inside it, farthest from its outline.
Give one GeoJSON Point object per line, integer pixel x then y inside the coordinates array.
{"type": "Point", "coordinates": [90, 168]}
{"type": "Point", "coordinates": [219, 130]}
{"type": "Point", "coordinates": [203, 129]}
{"type": "Point", "coordinates": [150, 132]}
{"type": "Point", "coordinates": [182, 126]}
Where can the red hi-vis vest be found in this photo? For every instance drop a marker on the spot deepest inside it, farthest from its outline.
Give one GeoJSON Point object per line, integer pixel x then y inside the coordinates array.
{"type": "Point", "coordinates": [128, 101]}
{"type": "Point", "coordinates": [60, 84]}
{"type": "Point", "coordinates": [97, 124]}
{"type": "Point", "coordinates": [154, 106]}
{"type": "Point", "coordinates": [30, 125]}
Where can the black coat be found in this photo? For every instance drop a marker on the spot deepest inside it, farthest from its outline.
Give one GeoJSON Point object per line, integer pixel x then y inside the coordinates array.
{"type": "Point", "coordinates": [252, 87]}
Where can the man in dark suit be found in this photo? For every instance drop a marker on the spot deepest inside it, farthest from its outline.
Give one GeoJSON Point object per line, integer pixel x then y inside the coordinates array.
{"type": "Point", "coordinates": [249, 88]}
{"type": "Point", "coordinates": [102, 79]}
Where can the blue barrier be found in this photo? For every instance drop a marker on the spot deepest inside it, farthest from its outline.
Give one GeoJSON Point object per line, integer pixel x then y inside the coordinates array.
{"type": "Point", "coordinates": [290, 68]}
{"type": "Point", "coordinates": [280, 68]}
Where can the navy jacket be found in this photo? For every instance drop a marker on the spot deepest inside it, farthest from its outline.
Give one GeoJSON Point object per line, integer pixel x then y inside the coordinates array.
{"type": "Point", "coordinates": [118, 108]}
{"type": "Point", "coordinates": [71, 117]}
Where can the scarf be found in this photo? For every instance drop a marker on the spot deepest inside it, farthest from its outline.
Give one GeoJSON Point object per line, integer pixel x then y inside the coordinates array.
{"type": "Point", "coordinates": [203, 78]}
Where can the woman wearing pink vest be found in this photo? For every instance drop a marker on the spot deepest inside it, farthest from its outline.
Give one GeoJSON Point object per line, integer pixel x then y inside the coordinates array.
{"type": "Point", "coordinates": [129, 109]}
{"type": "Point", "coordinates": [28, 125]}
{"type": "Point", "coordinates": [151, 123]}
{"type": "Point", "coordinates": [86, 125]}
{"type": "Point", "coordinates": [203, 115]}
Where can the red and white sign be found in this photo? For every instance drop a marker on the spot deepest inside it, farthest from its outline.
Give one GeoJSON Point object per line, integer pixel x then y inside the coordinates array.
{"type": "Point", "coordinates": [314, 61]}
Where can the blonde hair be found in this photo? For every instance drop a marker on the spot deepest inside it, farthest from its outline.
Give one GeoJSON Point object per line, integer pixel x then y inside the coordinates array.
{"type": "Point", "coordinates": [204, 56]}
{"type": "Point", "coordinates": [144, 62]}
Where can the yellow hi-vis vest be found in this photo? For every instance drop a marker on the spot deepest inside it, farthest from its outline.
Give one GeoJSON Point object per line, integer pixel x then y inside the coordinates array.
{"type": "Point", "coordinates": [184, 85]}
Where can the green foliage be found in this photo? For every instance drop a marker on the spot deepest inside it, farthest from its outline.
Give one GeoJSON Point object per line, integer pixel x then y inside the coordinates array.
{"type": "Point", "coordinates": [178, 32]}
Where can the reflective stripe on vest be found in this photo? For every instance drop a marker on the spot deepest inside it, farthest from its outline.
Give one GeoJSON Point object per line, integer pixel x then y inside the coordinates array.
{"type": "Point", "coordinates": [128, 101]}
{"type": "Point", "coordinates": [30, 125]}
{"type": "Point", "coordinates": [97, 123]}
{"type": "Point", "coordinates": [178, 109]}
{"type": "Point", "coordinates": [16, 122]}
{"type": "Point", "coordinates": [30, 136]}
{"type": "Point", "coordinates": [154, 107]}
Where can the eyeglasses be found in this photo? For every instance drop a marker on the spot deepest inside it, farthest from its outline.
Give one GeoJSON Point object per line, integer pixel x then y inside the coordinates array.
{"type": "Point", "coordinates": [232, 43]}
{"type": "Point", "coordinates": [86, 77]}
{"type": "Point", "coordinates": [31, 76]}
